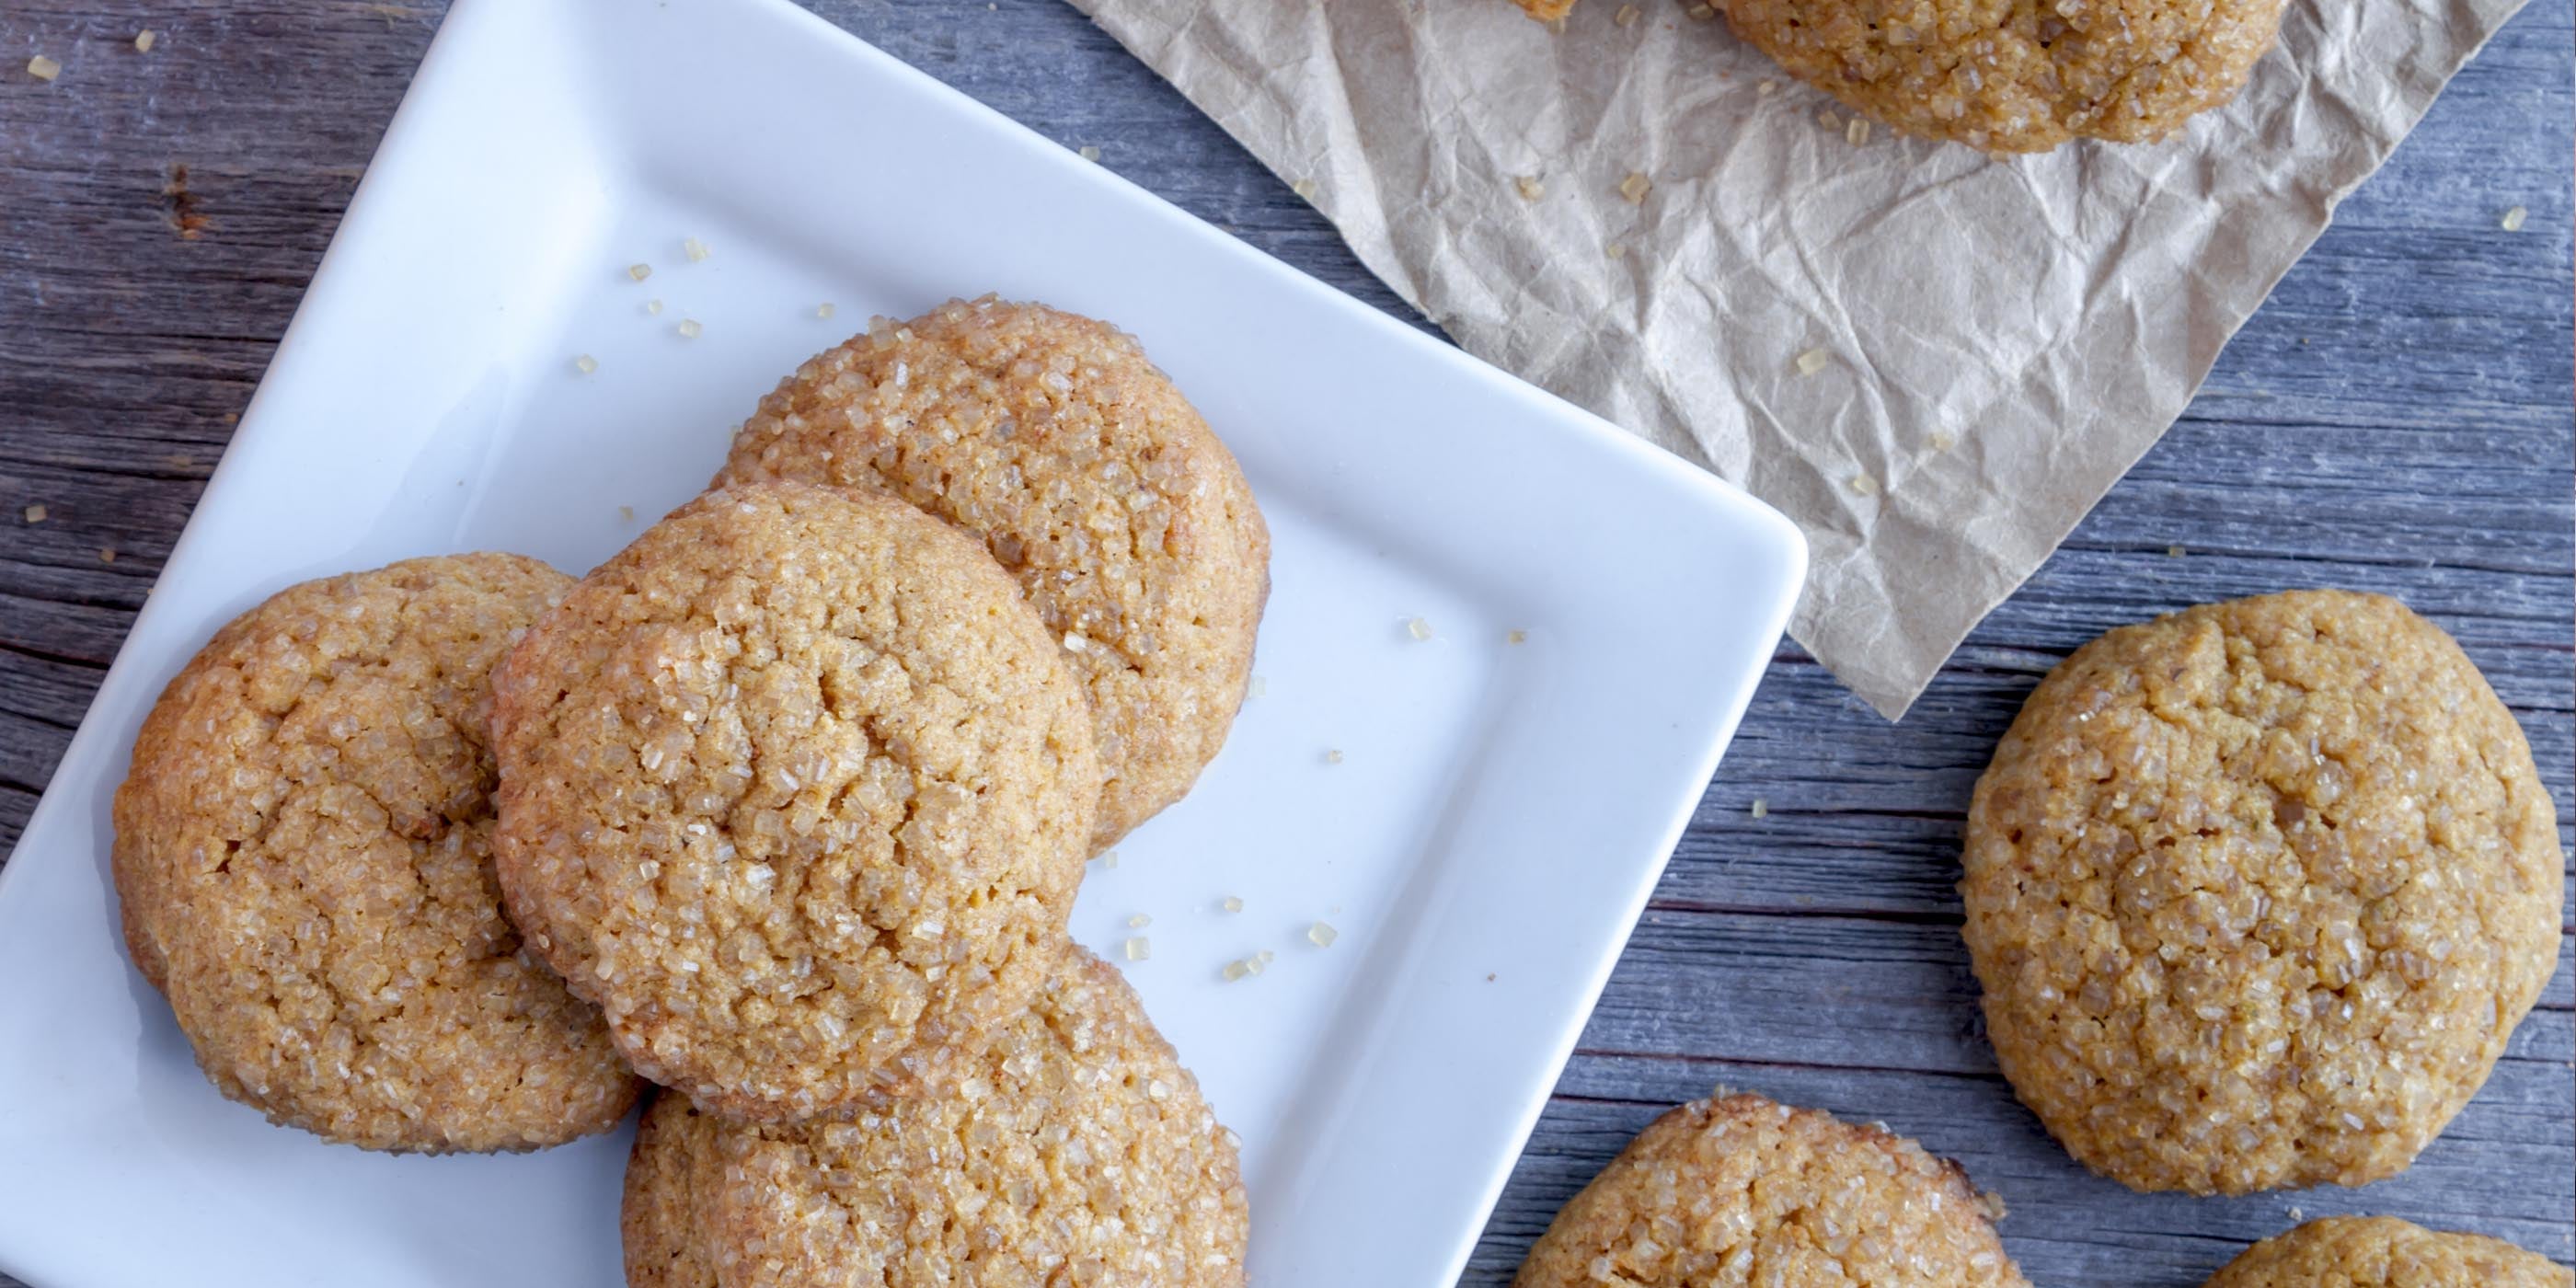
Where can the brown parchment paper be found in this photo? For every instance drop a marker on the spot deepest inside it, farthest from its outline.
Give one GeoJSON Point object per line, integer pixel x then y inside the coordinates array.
{"type": "Point", "coordinates": [2000, 338]}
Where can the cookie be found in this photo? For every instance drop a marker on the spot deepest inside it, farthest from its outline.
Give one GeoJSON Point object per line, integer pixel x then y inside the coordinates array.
{"type": "Point", "coordinates": [1740, 1190]}
{"type": "Point", "coordinates": [2382, 1252]}
{"type": "Point", "coordinates": [669, 1175]}
{"type": "Point", "coordinates": [1053, 440]}
{"type": "Point", "coordinates": [303, 867]}
{"type": "Point", "coordinates": [2021, 77]}
{"type": "Point", "coordinates": [1074, 1149]}
{"type": "Point", "coordinates": [2257, 891]}
{"type": "Point", "coordinates": [797, 790]}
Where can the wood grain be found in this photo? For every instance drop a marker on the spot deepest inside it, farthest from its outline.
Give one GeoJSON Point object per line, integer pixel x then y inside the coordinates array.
{"type": "Point", "coordinates": [2398, 418]}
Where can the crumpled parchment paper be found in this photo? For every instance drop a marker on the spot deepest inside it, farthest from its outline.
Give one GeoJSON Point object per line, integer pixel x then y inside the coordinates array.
{"type": "Point", "coordinates": [1992, 341]}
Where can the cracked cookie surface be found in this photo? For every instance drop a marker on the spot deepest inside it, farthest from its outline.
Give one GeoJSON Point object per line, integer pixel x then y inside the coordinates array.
{"type": "Point", "coordinates": [796, 789]}
{"type": "Point", "coordinates": [2383, 1252]}
{"type": "Point", "coordinates": [303, 866]}
{"type": "Point", "coordinates": [2257, 891]}
{"type": "Point", "coordinates": [1738, 1189]}
{"type": "Point", "coordinates": [1073, 1149]}
{"type": "Point", "coordinates": [1056, 442]}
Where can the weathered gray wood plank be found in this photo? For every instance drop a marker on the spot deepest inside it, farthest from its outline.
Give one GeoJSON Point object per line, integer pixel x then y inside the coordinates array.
{"type": "Point", "coordinates": [2397, 418]}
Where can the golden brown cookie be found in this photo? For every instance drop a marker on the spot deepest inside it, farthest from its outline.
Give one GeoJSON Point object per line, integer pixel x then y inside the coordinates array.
{"type": "Point", "coordinates": [2382, 1252]}
{"type": "Point", "coordinates": [669, 1175]}
{"type": "Point", "coordinates": [797, 789]}
{"type": "Point", "coordinates": [1740, 1190]}
{"type": "Point", "coordinates": [1053, 440]}
{"type": "Point", "coordinates": [303, 862]}
{"type": "Point", "coordinates": [2018, 77]}
{"type": "Point", "coordinates": [2257, 892]}
{"type": "Point", "coordinates": [1075, 1149]}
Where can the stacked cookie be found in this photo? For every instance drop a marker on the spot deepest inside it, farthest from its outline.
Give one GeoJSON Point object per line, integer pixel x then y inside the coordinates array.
{"type": "Point", "coordinates": [795, 791]}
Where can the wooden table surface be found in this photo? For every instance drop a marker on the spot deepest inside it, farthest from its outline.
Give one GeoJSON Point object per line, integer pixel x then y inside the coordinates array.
{"type": "Point", "coordinates": [2398, 418]}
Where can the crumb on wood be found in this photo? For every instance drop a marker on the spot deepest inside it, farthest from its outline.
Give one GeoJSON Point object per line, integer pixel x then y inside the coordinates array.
{"type": "Point", "coordinates": [180, 205]}
{"type": "Point", "coordinates": [145, 39]}
{"type": "Point", "coordinates": [35, 514]}
{"type": "Point", "coordinates": [43, 68]}
{"type": "Point", "coordinates": [107, 554]}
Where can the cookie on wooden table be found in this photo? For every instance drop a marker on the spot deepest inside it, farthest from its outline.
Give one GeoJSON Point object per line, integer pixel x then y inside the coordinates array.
{"type": "Point", "coordinates": [1738, 1189]}
{"type": "Point", "coordinates": [1074, 1149]}
{"type": "Point", "coordinates": [303, 864]}
{"type": "Point", "coordinates": [1055, 441]}
{"type": "Point", "coordinates": [2383, 1252]}
{"type": "Point", "coordinates": [797, 790]}
{"type": "Point", "coordinates": [2020, 77]}
{"type": "Point", "coordinates": [2257, 891]}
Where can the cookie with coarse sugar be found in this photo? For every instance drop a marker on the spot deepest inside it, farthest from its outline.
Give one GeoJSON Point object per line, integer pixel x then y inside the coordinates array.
{"type": "Point", "coordinates": [1073, 1149]}
{"type": "Point", "coordinates": [1057, 443]}
{"type": "Point", "coordinates": [2383, 1252]}
{"type": "Point", "coordinates": [1740, 1190]}
{"type": "Point", "coordinates": [303, 866]}
{"type": "Point", "coordinates": [797, 789]}
{"type": "Point", "coordinates": [2257, 891]}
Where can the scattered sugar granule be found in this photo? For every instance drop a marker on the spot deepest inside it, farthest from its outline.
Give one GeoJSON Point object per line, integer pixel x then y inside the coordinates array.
{"type": "Point", "coordinates": [1257, 687]}
{"type": "Point", "coordinates": [689, 328]}
{"type": "Point", "coordinates": [1862, 484]}
{"type": "Point", "coordinates": [1516, 637]}
{"type": "Point", "coordinates": [823, 310]}
{"type": "Point", "coordinates": [1322, 935]}
{"type": "Point", "coordinates": [639, 271]}
{"type": "Point", "coordinates": [1109, 858]}
{"type": "Point", "coordinates": [626, 514]}
{"type": "Point", "coordinates": [1231, 904]}
{"type": "Point", "coordinates": [35, 514]}
{"type": "Point", "coordinates": [1766, 89]}
{"type": "Point", "coordinates": [1139, 921]}
{"type": "Point", "coordinates": [585, 364]}
{"type": "Point", "coordinates": [1616, 250]}
{"type": "Point", "coordinates": [1635, 187]}
{"type": "Point", "coordinates": [2512, 221]}
{"type": "Point", "coordinates": [1418, 628]}
{"type": "Point", "coordinates": [43, 68]}
{"type": "Point", "coordinates": [1700, 12]}
{"type": "Point", "coordinates": [653, 307]}
{"type": "Point", "coordinates": [1829, 120]}
{"type": "Point", "coordinates": [1304, 188]}
{"type": "Point", "coordinates": [145, 39]}
{"type": "Point", "coordinates": [1761, 808]}
{"type": "Point", "coordinates": [2174, 552]}
{"type": "Point", "coordinates": [1530, 187]}
{"type": "Point", "coordinates": [1236, 969]}
{"type": "Point", "coordinates": [1074, 642]}
{"type": "Point", "coordinates": [1333, 757]}
{"type": "Point", "coordinates": [1628, 15]}
{"type": "Point", "coordinates": [1856, 133]}
{"type": "Point", "coordinates": [1943, 440]}
{"type": "Point", "coordinates": [1089, 153]}
{"type": "Point", "coordinates": [1811, 362]}
{"type": "Point", "coordinates": [107, 554]}
{"type": "Point", "coordinates": [695, 249]}
{"type": "Point", "coordinates": [1138, 948]}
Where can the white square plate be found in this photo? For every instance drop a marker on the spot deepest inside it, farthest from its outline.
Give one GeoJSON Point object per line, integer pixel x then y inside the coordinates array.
{"type": "Point", "coordinates": [1496, 818]}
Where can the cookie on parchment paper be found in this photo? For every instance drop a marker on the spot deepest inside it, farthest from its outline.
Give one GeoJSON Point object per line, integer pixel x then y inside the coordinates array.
{"type": "Point", "coordinates": [2257, 891]}
{"type": "Point", "coordinates": [303, 864]}
{"type": "Point", "coordinates": [2020, 77]}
